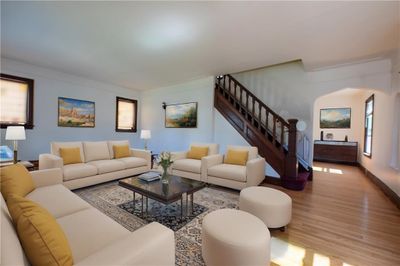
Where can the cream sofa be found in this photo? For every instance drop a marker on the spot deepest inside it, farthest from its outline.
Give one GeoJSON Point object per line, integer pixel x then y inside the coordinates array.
{"type": "Point", "coordinates": [192, 168]}
{"type": "Point", "coordinates": [94, 238]}
{"type": "Point", "coordinates": [235, 176]}
{"type": "Point", "coordinates": [98, 164]}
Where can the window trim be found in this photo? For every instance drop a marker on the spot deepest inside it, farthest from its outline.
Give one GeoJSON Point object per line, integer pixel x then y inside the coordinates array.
{"type": "Point", "coordinates": [29, 109]}
{"type": "Point", "coordinates": [135, 102]}
{"type": "Point", "coordinates": [371, 98]}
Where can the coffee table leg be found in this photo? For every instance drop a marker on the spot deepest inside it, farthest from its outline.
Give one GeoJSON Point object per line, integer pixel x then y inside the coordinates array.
{"type": "Point", "coordinates": [134, 202]}
{"type": "Point", "coordinates": [181, 207]}
{"type": "Point", "coordinates": [142, 204]}
{"type": "Point", "coordinates": [147, 206]}
{"type": "Point", "coordinates": [187, 204]}
{"type": "Point", "coordinates": [192, 200]}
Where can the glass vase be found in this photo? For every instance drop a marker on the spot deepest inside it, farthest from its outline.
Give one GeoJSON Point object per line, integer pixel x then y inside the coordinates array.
{"type": "Point", "coordinates": [165, 176]}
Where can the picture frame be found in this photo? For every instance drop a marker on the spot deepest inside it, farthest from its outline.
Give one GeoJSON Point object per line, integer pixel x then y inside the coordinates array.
{"type": "Point", "coordinates": [76, 113]}
{"type": "Point", "coordinates": [181, 115]}
{"type": "Point", "coordinates": [339, 118]}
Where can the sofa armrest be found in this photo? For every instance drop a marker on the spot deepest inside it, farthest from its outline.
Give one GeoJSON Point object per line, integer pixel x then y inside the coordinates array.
{"type": "Point", "coordinates": [47, 177]}
{"type": "Point", "coordinates": [209, 161]}
{"type": "Point", "coordinates": [142, 154]}
{"type": "Point", "coordinates": [153, 244]}
{"type": "Point", "coordinates": [48, 161]}
{"type": "Point", "coordinates": [255, 170]}
{"type": "Point", "coordinates": [178, 155]}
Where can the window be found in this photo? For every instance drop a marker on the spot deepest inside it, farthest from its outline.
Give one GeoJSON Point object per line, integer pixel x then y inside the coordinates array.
{"type": "Point", "coordinates": [369, 117]}
{"type": "Point", "coordinates": [16, 101]}
{"type": "Point", "coordinates": [126, 116]}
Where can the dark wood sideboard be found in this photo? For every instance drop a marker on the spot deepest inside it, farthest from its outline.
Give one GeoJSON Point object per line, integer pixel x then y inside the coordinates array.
{"type": "Point", "coordinates": [336, 151]}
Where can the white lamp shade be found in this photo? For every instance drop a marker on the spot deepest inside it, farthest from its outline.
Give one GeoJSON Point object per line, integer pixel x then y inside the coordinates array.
{"type": "Point", "coordinates": [301, 125]}
{"type": "Point", "coordinates": [145, 134]}
{"type": "Point", "coordinates": [15, 133]}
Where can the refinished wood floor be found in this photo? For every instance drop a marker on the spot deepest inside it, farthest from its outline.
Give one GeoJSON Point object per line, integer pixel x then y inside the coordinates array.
{"type": "Point", "coordinates": [341, 218]}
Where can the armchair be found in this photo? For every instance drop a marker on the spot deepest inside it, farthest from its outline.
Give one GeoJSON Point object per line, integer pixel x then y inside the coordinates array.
{"type": "Point", "coordinates": [235, 176]}
{"type": "Point", "coordinates": [193, 168]}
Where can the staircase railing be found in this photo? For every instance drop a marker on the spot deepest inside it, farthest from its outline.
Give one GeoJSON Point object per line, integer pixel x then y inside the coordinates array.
{"type": "Point", "coordinates": [277, 133]}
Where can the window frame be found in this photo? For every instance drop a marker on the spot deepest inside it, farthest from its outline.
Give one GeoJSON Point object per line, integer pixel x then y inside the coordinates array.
{"type": "Point", "coordinates": [29, 109]}
{"type": "Point", "coordinates": [370, 98]}
{"type": "Point", "coordinates": [135, 102]}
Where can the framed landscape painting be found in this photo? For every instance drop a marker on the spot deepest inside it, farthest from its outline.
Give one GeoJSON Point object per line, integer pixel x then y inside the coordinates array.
{"type": "Point", "coordinates": [75, 113]}
{"type": "Point", "coordinates": [182, 115]}
{"type": "Point", "coordinates": [335, 118]}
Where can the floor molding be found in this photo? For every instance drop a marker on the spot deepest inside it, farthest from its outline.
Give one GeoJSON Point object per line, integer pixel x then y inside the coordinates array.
{"type": "Point", "coordinates": [379, 183]}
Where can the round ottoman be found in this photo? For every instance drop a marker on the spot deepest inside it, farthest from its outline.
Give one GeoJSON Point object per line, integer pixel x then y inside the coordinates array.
{"type": "Point", "coordinates": [272, 206]}
{"type": "Point", "coordinates": [234, 237]}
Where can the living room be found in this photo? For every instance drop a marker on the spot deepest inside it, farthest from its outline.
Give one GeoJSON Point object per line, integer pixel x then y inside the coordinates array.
{"type": "Point", "coordinates": [132, 68]}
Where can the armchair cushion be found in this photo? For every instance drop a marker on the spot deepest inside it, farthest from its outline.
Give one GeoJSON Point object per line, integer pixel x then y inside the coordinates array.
{"type": "Point", "coordinates": [213, 148]}
{"type": "Point", "coordinates": [187, 165]}
{"type": "Point", "coordinates": [228, 171]}
{"type": "Point", "coordinates": [253, 151]}
{"type": "Point", "coordinates": [197, 152]}
{"type": "Point", "coordinates": [238, 157]}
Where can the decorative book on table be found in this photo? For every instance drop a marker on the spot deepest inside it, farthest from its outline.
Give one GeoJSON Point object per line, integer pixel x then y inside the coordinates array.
{"type": "Point", "coordinates": [150, 176]}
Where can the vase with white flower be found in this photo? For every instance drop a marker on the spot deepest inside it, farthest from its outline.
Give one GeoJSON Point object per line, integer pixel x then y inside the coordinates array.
{"type": "Point", "coordinates": [165, 161]}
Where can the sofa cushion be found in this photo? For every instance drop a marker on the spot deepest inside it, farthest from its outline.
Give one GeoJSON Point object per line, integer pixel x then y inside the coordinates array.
{"type": "Point", "coordinates": [58, 200]}
{"type": "Point", "coordinates": [70, 155]}
{"type": "Point", "coordinates": [96, 150]}
{"type": "Point", "coordinates": [111, 143]}
{"type": "Point", "coordinates": [78, 170]}
{"type": "Point", "coordinates": [228, 171]}
{"type": "Point", "coordinates": [89, 230]}
{"type": "Point", "coordinates": [55, 147]}
{"type": "Point", "coordinates": [15, 179]}
{"type": "Point", "coordinates": [133, 162]}
{"type": "Point", "coordinates": [188, 165]}
{"type": "Point", "coordinates": [10, 248]}
{"type": "Point", "coordinates": [121, 151]}
{"type": "Point", "coordinates": [107, 166]}
{"type": "Point", "coordinates": [41, 236]}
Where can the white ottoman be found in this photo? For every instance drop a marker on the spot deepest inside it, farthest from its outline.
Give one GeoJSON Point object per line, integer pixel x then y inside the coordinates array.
{"type": "Point", "coordinates": [272, 206]}
{"type": "Point", "coordinates": [233, 237]}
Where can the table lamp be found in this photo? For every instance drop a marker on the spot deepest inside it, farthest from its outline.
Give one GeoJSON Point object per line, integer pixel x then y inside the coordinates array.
{"type": "Point", "coordinates": [146, 135]}
{"type": "Point", "coordinates": [15, 133]}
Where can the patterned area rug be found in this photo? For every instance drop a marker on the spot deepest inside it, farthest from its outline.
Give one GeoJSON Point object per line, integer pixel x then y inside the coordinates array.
{"type": "Point", "coordinates": [109, 196]}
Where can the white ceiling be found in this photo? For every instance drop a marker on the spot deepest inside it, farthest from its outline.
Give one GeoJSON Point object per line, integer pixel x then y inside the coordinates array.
{"type": "Point", "coordinates": [144, 45]}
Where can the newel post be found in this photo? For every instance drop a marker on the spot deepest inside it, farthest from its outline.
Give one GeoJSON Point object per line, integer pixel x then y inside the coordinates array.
{"type": "Point", "coordinates": [291, 165]}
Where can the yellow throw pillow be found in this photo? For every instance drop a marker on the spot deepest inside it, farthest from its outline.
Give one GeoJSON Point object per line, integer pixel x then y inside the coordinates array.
{"type": "Point", "coordinates": [238, 157]}
{"type": "Point", "coordinates": [42, 238]}
{"type": "Point", "coordinates": [121, 151]}
{"type": "Point", "coordinates": [197, 152]}
{"type": "Point", "coordinates": [71, 155]}
{"type": "Point", "coordinates": [15, 179]}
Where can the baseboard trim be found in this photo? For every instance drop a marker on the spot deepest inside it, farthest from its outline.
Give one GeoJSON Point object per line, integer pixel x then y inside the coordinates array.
{"type": "Point", "coordinates": [387, 190]}
{"type": "Point", "coordinates": [272, 180]}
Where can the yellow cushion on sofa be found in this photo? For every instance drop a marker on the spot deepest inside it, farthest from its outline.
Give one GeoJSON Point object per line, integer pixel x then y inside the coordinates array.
{"type": "Point", "coordinates": [71, 155]}
{"type": "Point", "coordinates": [15, 179]}
{"type": "Point", "coordinates": [238, 157]}
{"type": "Point", "coordinates": [42, 238]}
{"type": "Point", "coordinates": [121, 151]}
{"type": "Point", "coordinates": [197, 152]}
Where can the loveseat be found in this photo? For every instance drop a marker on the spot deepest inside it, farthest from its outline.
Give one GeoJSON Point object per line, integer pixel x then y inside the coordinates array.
{"type": "Point", "coordinates": [94, 238]}
{"type": "Point", "coordinates": [98, 162]}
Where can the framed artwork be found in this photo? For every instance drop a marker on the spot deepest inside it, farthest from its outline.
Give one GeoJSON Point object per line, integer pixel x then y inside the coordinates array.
{"type": "Point", "coordinates": [126, 115]}
{"type": "Point", "coordinates": [75, 113]}
{"type": "Point", "coordinates": [335, 118]}
{"type": "Point", "coordinates": [182, 115]}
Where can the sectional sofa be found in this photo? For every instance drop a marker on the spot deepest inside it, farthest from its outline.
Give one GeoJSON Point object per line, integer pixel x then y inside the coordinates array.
{"type": "Point", "coordinates": [94, 238]}
{"type": "Point", "coordinates": [98, 163]}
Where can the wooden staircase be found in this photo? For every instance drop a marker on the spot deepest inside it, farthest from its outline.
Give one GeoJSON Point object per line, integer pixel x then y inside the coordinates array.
{"type": "Point", "coordinates": [275, 137]}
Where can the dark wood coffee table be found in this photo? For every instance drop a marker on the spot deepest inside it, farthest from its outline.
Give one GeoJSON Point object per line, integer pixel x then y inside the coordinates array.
{"type": "Point", "coordinates": [164, 193]}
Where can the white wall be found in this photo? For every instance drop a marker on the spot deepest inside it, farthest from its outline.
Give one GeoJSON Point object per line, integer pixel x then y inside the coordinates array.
{"type": "Point", "coordinates": [49, 85]}
{"type": "Point", "coordinates": [176, 139]}
{"type": "Point", "coordinates": [347, 98]}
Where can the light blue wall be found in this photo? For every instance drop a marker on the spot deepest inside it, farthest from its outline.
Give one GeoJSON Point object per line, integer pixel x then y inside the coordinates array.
{"type": "Point", "coordinates": [49, 85]}
{"type": "Point", "coordinates": [179, 139]}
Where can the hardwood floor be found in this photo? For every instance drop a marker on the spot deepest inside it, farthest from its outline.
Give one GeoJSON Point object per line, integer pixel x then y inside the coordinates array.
{"type": "Point", "coordinates": [341, 218]}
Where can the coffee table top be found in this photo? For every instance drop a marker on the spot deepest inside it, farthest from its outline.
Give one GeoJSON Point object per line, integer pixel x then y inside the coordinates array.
{"type": "Point", "coordinates": [165, 193]}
